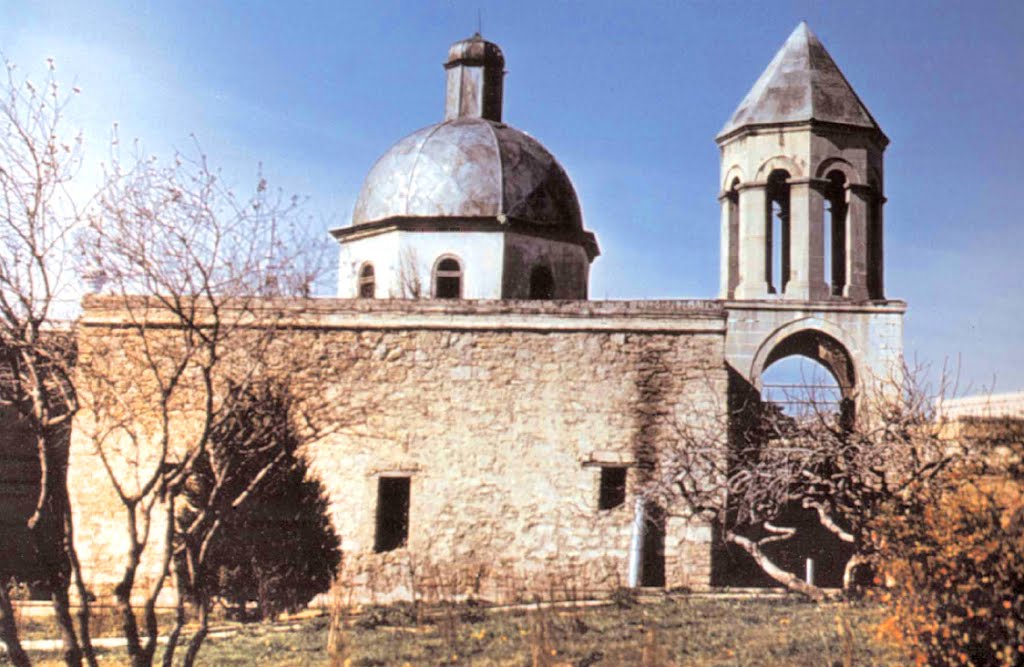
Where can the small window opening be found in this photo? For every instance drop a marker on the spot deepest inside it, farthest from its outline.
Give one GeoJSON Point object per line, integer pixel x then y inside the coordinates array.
{"type": "Point", "coordinates": [542, 283]}
{"type": "Point", "coordinates": [448, 279]}
{"type": "Point", "coordinates": [392, 513]}
{"type": "Point", "coordinates": [613, 488]}
{"type": "Point", "coordinates": [835, 233]}
{"type": "Point", "coordinates": [367, 283]}
{"type": "Point", "coordinates": [776, 272]}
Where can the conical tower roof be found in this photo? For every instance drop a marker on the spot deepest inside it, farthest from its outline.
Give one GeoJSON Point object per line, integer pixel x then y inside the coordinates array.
{"type": "Point", "coordinates": [802, 83]}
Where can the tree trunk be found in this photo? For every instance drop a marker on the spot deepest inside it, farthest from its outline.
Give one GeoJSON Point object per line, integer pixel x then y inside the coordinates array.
{"type": "Point", "coordinates": [72, 653]}
{"type": "Point", "coordinates": [787, 579]}
{"type": "Point", "coordinates": [197, 639]}
{"type": "Point", "coordinates": [9, 630]}
{"type": "Point", "coordinates": [856, 560]}
{"type": "Point", "coordinates": [47, 528]}
{"type": "Point", "coordinates": [129, 624]}
{"type": "Point", "coordinates": [179, 623]}
{"type": "Point", "coordinates": [84, 634]}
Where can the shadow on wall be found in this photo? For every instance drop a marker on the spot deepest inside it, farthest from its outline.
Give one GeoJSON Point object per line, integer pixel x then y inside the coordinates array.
{"type": "Point", "coordinates": [653, 380]}
{"type": "Point", "coordinates": [19, 490]}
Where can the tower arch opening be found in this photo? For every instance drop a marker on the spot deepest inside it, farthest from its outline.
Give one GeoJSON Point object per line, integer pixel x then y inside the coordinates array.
{"type": "Point", "coordinates": [803, 375]}
{"type": "Point", "coordinates": [835, 232]}
{"type": "Point", "coordinates": [875, 259]}
{"type": "Point", "coordinates": [810, 374]}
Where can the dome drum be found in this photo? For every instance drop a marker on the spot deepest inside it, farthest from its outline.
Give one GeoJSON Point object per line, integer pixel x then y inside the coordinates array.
{"type": "Point", "coordinates": [496, 224]}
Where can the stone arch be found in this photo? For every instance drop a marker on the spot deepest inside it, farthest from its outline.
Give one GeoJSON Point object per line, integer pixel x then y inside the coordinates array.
{"type": "Point", "coordinates": [733, 174]}
{"type": "Point", "coordinates": [779, 163]}
{"type": "Point", "coordinates": [839, 164]}
{"type": "Point", "coordinates": [818, 340]}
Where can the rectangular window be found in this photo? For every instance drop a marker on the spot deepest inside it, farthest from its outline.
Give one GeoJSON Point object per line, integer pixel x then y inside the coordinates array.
{"type": "Point", "coordinates": [392, 513]}
{"type": "Point", "coordinates": [613, 487]}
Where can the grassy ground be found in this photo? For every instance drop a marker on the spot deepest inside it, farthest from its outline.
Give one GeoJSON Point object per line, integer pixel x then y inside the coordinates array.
{"type": "Point", "coordinates": [673, 631]}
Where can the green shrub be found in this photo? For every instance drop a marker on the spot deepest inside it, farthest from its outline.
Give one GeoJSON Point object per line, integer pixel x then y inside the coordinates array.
{"type": "Point", "coordinates": [623, 597]}
{"type": "Point", "coordinates": [400, 614]}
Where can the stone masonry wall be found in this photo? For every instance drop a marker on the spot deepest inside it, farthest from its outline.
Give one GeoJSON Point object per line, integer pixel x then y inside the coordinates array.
{"type": "Point", "coordinates": [501, 414]}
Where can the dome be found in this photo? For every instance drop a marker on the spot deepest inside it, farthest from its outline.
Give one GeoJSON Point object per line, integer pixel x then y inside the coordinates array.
{"type": "Point", "coordinates": [476, 50]}
{"type": "Point", "coordinates": [469, 167]}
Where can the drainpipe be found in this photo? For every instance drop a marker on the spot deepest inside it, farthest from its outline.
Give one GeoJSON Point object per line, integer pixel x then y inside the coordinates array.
{"type": "Point", "coordinates": [636, 545]}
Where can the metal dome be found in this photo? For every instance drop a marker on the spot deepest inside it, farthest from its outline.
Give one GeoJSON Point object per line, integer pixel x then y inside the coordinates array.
{"type": "Point", "coordinates": [469, 167]}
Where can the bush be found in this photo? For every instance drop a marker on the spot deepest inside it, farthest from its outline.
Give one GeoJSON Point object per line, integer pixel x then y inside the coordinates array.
{"type": "Point", "coordinates": [954, 562]}
{"type": "Point", "coordinates": [400, 614]}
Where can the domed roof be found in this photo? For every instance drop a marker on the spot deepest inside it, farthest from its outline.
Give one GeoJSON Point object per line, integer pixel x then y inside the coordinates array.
{"type": "Point", "coordinates": [475, 50]}
{"type": "Point", "coordinates": [469, 167]}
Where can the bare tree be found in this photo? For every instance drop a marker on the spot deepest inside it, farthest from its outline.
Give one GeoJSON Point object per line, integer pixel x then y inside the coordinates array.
{"type": "Point", "coordinates": [410, 286]}
{"type": "Point", "coordinates": [195, 280]}
{"type": "Point", "coordinates": [38, 216]}
{"type": "Point", "coordinates": [749, 473]}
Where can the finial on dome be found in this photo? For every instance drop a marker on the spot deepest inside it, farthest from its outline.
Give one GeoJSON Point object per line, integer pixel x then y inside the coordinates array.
{"type": "Point", "coordinates": [475, 68]}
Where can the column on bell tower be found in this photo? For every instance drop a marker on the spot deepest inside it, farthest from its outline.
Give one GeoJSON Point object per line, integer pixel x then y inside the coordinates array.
{"type": "Point", "coordinates": [858, 206]}
{"type": "Point", "coordinates": [729, 257]}
{"type": "Point", "coordinates": [807, 240]}
{"type": "Point", "coordinates": [752, 242]}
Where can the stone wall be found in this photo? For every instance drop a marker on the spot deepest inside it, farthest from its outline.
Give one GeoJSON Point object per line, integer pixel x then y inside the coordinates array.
{"type": "Point", "coordinates": [501, 415]}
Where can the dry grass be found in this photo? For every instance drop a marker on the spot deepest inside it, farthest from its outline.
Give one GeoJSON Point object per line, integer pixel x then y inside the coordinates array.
{"type": "Point", "coordinates": [672, 631]}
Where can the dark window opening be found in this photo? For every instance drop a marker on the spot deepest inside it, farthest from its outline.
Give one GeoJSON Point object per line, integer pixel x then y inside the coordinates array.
{"type": "Point", "coordinates": [542, 283]}
{"type": "Point", "coordinates": [776, 266]}
{"type": "Point", "coordinates": [392, 513]}
{"type": "Point", "coordinates": [367, 283]}
{"type": "Point", "coordinates": [835, 231]}
{"type": "Point", "coordinates": [448, 279]}
{"type": "Point", "coordinates": [613, 488]}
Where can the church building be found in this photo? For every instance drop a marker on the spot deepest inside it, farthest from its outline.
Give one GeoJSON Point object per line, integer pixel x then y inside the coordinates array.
{"type": "Point", "coordinates": [507, 423]}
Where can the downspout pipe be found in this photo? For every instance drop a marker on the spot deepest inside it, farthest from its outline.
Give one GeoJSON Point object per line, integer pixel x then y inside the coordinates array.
{"type": "Point", "coordinates": [636, 544]}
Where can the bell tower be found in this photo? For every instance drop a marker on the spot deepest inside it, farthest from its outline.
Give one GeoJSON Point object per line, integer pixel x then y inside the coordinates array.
{"type": "Point", "coordinates": [802, 185]}
{"type": "Point", "coordinates": [801, 223]}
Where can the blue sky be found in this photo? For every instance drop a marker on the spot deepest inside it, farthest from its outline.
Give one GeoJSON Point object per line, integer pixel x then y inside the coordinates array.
{"type": "Point", "coordinates": [628, 96]}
